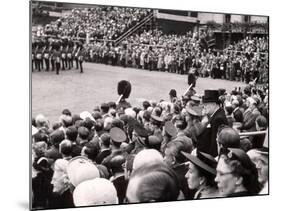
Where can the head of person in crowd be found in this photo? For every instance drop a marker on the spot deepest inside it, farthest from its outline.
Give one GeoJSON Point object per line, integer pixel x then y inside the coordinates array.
{"type": "Point", "coordinates": [99, 127]}
{"type": "Point", "coordinates": [245, 144]}
{"type": "Point", "coordinates": [180, 123]}
{"type": "Point", "coordinates": [40, 136]}
{"type": "Point", "coordinates": [173, 95]}
{"type": "Point", "coordinates": [261, 123]}
{"type": "Point", "coordinates": [65, 120]}
{"type": "Point", "coordinates": [80, 169]}
{"type": "Point", "coordinates": [117, 164]}
{"type": "Point", "coordinates": [260, 158]}
{"type": "Point", "coordinates": [66, 112]}
{"type": "Point", "coordinates": [130, 112]}
{"type": "Point", "coordinates": [71, 133]}
{"type": "Point", "coordinates": [83, 135]}
{"type": "Point", "coordinates": [65, 148]}
{"type": "Point", "coordinates": [97, 115]}
{"type": "Point", "coordinates": [210, 101]}
{"type": "Point", "coordinates": [39, 149]}
{"type": "Point", "coordinates": [76, 119]}
{"type": "Point", "coordinates": [60, 180]}
{"type": "Point", "coordinates": [117, 136]}
{"type": "Point", "coordinates": [56, 125]}
{"type": "Point", "coordinates": [112, 105]}
{"type": "Point", "coordinates": [145, 105]}
{"type": "Point", "coordinates": [90, 150]}
{"type": "Point", "coordinates": [41, 121]}
{"type": "Point", "coordinates": [88, 123]}
{"type": "Point", "coordinates": [104, 108]}
{"type": "Point", "coordinates": [107, 124]}
{"type": "Point", "coordinates": [251, 103]}
{"type": "Point", "coordinates": [227, 137]}
{"type": "Point", "coordinates": [170, 130]}
{"type": "Point", "coordinates": [56, 138]}
{"type": "Point", "coordinates": [155, 122]}
{"type": "Point", "coordinates": [201, 174]}
{"type": "Point", "coordinates": [152, 183]}
{"type": "Point", "coordinates": [173, 155]}
{"type": "Point", "coordinates": [105, 141]}
{"type": "Point", "coordinates": [147, 156]}
{"type": "Point", "coordinates": [236, 174]}
{"type": "Point", "coordinates": [98, 191]}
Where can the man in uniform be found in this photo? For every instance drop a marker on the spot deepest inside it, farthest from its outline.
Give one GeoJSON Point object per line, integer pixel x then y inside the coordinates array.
{"type": "Point", "coordinates": [46, 55]}
{"type": "Point", "coordinates": [57, 57]}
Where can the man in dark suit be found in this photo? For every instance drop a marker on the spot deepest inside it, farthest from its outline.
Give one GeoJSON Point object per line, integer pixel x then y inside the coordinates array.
{"type": "Point", "coordinates": [237, 113]}
{"type": "Point", "coordinates": [105, 148]}
{"type": "Point", "coordinates": [214, 117]}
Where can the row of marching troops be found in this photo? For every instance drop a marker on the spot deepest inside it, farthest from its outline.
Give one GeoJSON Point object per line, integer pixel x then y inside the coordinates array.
{"type": "Point", "coordinates": [56, 55]}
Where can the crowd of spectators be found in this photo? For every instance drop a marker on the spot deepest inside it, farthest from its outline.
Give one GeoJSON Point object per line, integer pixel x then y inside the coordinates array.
{"type": "Point", "coordinates": [101, 22]}
{"type": "Point", "coordinates": [153, 50]}
{"type": "Point", "coordinates": [190, 147]}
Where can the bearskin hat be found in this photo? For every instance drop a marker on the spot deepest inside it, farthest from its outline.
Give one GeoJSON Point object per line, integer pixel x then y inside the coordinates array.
{"type": "Point", "coordinates": [124, 88]}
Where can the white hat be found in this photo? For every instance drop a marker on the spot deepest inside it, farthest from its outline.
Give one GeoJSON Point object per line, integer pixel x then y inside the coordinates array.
{"type": "Point", "coordinates": [86, 114]}
{"type": "Point", "coordinates": [97, 191]}
{"type": "Point", "coordinates": [130, 112]}
{"type": "Point", "coordinates": [80, 169]}
{"type": "Point", "coordinates": [147, 156]}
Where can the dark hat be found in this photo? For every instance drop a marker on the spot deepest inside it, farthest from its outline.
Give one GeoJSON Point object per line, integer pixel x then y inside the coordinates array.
{"type": "Point", "coordinates": [170, 129]}
{"type": "Point", "coordinates": [194, 110]}
{"type": "Point", "coordinates": [156, 119]}
{"type": "Point", "coordinates": [211, 96]}
{"type": "Point", "coordinates": [57, 136]}
{"type": "Point", "coordinates": [240, 155]}
{"type": "Point", "coordinates": [203, 161]}
{"type": "Point", "coordinates": [138, 127]}
{"type": "Point", "coordinates": [173, 93]}
{"type": "Point", "coordinates": [117, 134]}
{"type": "Point", "coordinates": [124, 88]}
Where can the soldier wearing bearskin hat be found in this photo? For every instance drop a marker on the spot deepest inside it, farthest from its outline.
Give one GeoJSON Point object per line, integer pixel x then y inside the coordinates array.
{"type": "Point", "coordinates": [124, 90]}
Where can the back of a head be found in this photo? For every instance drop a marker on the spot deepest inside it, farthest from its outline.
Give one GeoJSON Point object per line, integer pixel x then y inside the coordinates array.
{"type": "Point", "coordinates": [154, 183]}
{"type": "Point", "coordinates": [229, 137]}
{"type": "Point", "coordinates": [71, 133]}
{"type": "Point", "coordinates": [105, 140]}
{"type": "Point", "coordinates": [98, 191]}
{"type": "Point", "coordinates": [65, 147]}
{"type": "Point", "coordinates": [147, 156]}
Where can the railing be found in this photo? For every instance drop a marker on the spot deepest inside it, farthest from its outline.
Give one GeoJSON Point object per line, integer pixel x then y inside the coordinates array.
{"type": "Point", "coordinates": [133, 29]}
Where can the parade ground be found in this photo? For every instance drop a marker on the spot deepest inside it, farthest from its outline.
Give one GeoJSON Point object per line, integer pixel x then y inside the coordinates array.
{"type": "Point", "coordinates": [78, 92]}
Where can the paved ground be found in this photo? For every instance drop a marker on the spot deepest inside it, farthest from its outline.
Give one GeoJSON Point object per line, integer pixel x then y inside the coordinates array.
{"type": "Point", "coordinates": [52, 93]}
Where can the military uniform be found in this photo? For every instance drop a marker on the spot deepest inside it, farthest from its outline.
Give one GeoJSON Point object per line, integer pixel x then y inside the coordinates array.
{"type": "Point", "coordinates": [46, 55]}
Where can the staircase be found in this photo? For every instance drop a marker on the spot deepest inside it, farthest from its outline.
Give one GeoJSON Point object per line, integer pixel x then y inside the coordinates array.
{"type": "Point", "coordinates": [144, 23]}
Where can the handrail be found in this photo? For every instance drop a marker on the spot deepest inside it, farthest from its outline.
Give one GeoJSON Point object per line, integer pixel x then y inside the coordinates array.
{"type": "Point", "coordinates": [133, 29]}
{"type": "Point", "coordinates": [254, 133]}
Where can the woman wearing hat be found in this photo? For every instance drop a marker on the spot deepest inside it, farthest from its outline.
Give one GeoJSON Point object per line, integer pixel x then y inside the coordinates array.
{"type": "Point", "coordinates": [236, 174]}
{"type": "Point", "coordinates": [201, 175]}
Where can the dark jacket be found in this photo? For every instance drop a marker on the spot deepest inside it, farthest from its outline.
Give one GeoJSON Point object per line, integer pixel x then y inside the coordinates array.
{"type": "Point", "coordinates": [206, 141]}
